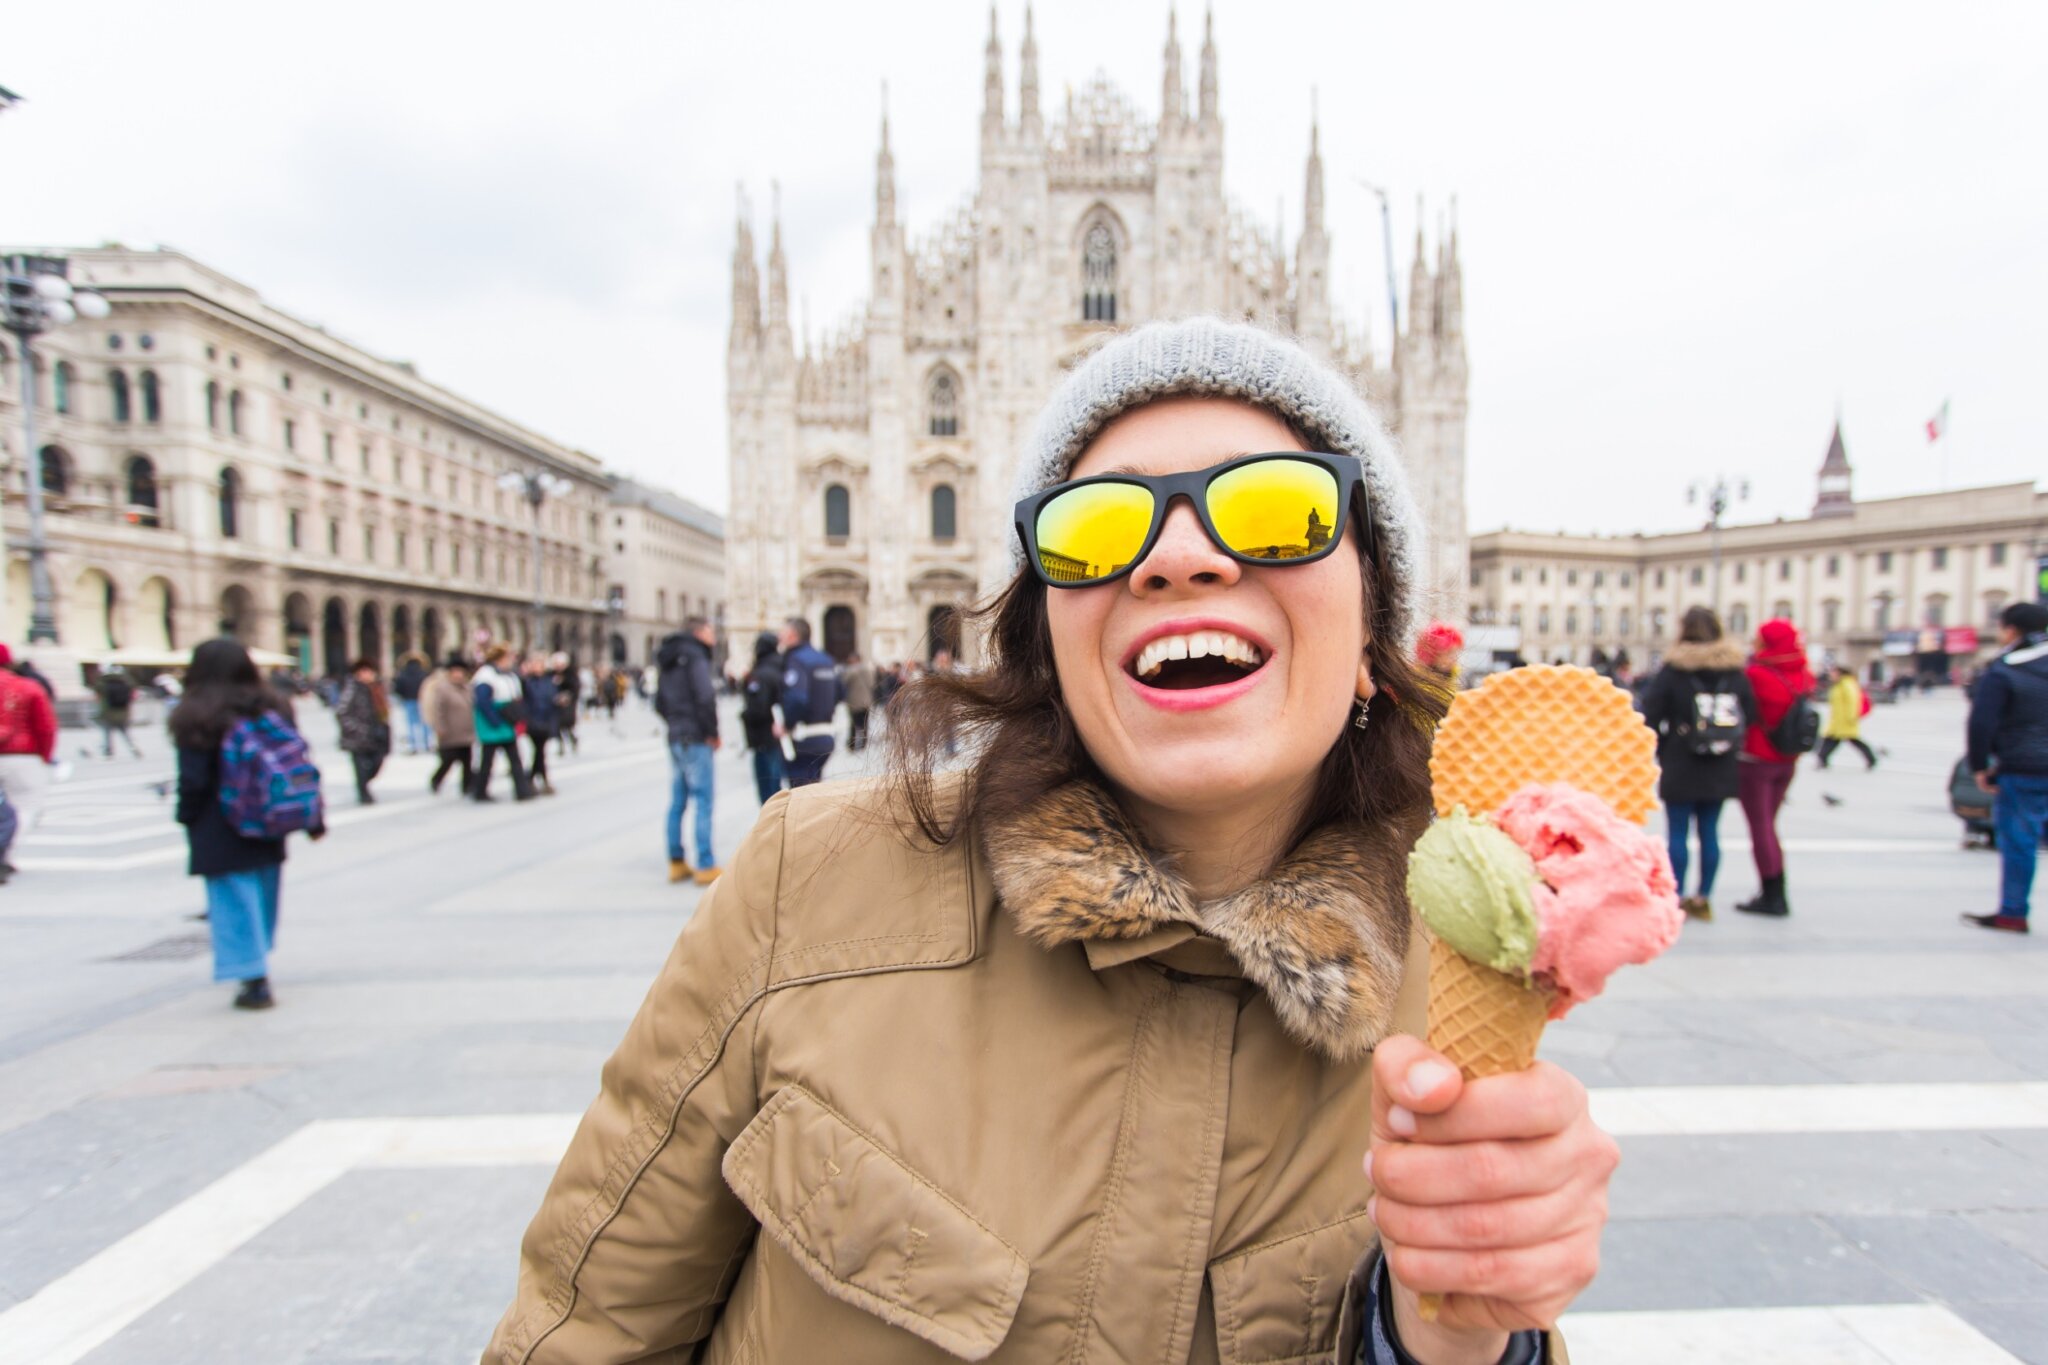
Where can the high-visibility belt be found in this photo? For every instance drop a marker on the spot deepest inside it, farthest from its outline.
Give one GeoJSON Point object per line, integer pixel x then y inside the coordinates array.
{"type": "Point", "coordinates": [811, 730]}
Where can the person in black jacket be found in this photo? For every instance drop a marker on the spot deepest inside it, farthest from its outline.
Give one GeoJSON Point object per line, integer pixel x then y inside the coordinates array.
{"type": "Point", "coordinates": [1699, 703]}
{"type": "Point", "coordinates": [242, 874]}
{"type": "Point", "coordinates": [759, 697]}
{"type": "Point", "coordinates": [687, 698]}
{"type": "Point", "coordinates": [2009, 755]}
{"type": "Point", "coordinates": [537, 688]}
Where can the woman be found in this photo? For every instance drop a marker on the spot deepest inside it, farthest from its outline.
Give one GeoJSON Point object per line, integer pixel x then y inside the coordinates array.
{"type": "Point", "coordinates": [242, 874]}
{"type": "Point", "coordinates": [450, 712]}
{"type": "Point", "coordinates": [365, 718]}
{"type": "Point", "coordinates": [1700, 704]}
{"type": "Point", "coordinates": [568, 700]}
{"type": "Point", "coordinates": [1779, 677]}
{"type": "Point", "coordinates": [759, 696]}
{"type": "Point", "coordinates": [537, 692]}
{"type": "Point", "coordinates": [499, 704]}
{"type": "Point", "coordinates": [1074, 1054]}
{"type": "Point", "coordinates": [1844, 724]}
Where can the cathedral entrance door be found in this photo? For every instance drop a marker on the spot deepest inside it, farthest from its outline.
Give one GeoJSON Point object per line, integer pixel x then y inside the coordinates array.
{"type": "Point", "coordinates": [839, 636]}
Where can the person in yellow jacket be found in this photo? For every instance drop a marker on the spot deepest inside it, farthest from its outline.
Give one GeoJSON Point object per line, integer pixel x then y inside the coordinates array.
{"type": "Point", "coordinates": [1844, 725]}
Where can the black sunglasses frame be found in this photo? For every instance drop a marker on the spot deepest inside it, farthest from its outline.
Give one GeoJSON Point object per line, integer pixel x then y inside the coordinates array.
{"type": "Point", "coordinates": [1194, 486]}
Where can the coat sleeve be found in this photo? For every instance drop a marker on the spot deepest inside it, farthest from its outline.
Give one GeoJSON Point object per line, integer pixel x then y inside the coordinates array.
{"type": "Point", "coordinates": [198, 771]}
{"type": "Point", "coordinates": [1987, 707]}
{"type": "Point", "coordinates": [639, 1239]}
{"type": "Point", "coordinates": [705, 698]}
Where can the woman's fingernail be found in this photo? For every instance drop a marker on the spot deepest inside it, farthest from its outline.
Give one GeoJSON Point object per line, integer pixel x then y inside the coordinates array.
{"type": "Point", "coordinates": [1401, 1121]}
{"type": "Point", "coordinates": [1368, 1166]}
{"type": "Point", "coordinates": [1425, 1077]}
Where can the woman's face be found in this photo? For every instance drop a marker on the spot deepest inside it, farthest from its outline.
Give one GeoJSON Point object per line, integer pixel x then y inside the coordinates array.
{"type": "Point", "coordinates": [1250, 743]}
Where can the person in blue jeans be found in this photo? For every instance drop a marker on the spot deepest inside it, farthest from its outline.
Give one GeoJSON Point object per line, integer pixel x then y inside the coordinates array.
{"type": "Point", "coordinates": [242, 874]}
{"type": "Point", "coordinates": [1699, 703]}
{"type": "Point", "coordinates": [687, 698]}
{"type": "Point", "coordinates": [2009, 755]}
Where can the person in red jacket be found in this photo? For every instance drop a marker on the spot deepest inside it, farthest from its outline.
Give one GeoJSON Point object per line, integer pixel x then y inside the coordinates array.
{"type": "Point", "coordinates": [28, 741]}
{"type": "Point", "coordinates": [1779, 676]}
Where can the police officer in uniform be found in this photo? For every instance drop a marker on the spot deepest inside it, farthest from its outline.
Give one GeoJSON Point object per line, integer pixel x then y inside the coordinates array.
{"type": "Point", "coordinates": [810, 696]}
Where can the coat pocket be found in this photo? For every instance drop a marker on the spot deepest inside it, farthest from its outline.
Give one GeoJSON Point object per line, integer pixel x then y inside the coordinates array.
{"type": "Point", "coordinates": [871, 1231]}
{"type": "Point", "coordinates": [1276, 1303]}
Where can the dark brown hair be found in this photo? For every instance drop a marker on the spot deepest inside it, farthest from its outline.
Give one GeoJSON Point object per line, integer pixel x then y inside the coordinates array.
{"type": "Point", "coordinates": [1022, 742]}
{"type": "Point", "coordinates": [1699, 626]}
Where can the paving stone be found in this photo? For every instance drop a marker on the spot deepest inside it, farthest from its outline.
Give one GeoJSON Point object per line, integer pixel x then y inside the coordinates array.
{"type": "Point", "coordinates": [1946, 1257]}
{"type": "Point", "coordinates": [1767, 1261]}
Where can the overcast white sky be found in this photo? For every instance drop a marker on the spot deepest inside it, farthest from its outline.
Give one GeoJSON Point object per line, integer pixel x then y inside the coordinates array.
{"type": "Point", "coordinates": [1689, 233]}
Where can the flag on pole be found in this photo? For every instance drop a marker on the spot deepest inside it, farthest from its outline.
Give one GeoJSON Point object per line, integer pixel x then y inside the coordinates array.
{"type": "Point", "coordinates": [1937, 425]}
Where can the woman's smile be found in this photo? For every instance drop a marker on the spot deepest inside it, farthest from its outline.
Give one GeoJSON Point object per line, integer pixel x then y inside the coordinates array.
{"type": "Point", "coordinates": [1192, 664]}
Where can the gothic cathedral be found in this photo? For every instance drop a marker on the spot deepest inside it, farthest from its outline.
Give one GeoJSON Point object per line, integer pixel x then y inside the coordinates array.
{"type": "Point", "coordinates": [870, 476]}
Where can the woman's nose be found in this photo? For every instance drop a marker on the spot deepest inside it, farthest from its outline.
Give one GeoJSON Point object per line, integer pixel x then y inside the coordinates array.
{"type": "Point", "coordinates": [1183, 557]}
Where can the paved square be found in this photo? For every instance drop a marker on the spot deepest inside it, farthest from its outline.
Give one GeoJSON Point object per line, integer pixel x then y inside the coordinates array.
{"type": "Point", "coordinates": [1834, 1127]}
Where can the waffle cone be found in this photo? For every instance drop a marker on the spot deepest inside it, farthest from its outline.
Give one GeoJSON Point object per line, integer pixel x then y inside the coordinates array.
{"type": "Point", "coordinates": [1485, 1021]}
{"type": "Point", "coordinates": [1546, 723]}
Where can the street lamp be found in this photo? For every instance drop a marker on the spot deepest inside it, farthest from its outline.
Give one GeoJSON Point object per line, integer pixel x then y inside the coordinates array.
{"type": "Point", "coordinates": [536, 486]}
{"type": "Point", "coordinates": [1718, 495]}
{"type": "Point", "coordinates": [38, 297]}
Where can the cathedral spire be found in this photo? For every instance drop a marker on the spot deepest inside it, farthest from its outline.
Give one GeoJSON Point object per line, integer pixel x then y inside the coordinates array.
{"type": "Point", "coordinates": [777, 320]}
{"type": "Point", "coordinates": [992, 81]}
{"type": "Point", "coordinates": [1835, 499]}
{"type": "Point", "coordinates": [1420, 309]}
{"type": "Point", "coordinates": [1207, 93]}
{"type": "Point", "coordinates": [1312, 198]}
{"type": "Point", "coordinates": [1451, 284]}
{"type": "Point", "coordinates": [1173, 108]}
{"type": "Point", "coordinates": [885, 172]}
{"type": "Point", "coordinates": [746, 283]}
{"type": "Point", "coordinates": [1027, 81]}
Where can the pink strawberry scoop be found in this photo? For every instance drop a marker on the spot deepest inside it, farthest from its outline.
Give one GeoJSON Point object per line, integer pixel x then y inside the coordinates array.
{"type": "Point", "coordinates": [1606, 895]}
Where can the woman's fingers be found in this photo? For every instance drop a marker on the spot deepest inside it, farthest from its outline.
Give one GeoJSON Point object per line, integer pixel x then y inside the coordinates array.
{"type": "Point", "coordinates": [1524, 1222]}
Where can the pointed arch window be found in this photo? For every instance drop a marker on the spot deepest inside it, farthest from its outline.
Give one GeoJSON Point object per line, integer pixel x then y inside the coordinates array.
{"type": "Point", "coordinates": [60, 386]}
{"type": "Point", "coordinates": [117, 388]}
{"type": "Point", "coordinates": [212, 405]}
{"type": "Point", "coordinates": [1098, 274]}
{"type": "Point", "coordinates": [230, 503]}
{"type": "Point", "coordinates": [838, 512]}
{"type": "Point", "coordinates": [945, 508]}
{"type": "Point", "coordinates": [943, 395]}
{"type": "Point", "coordinates": [152, 397]}
{"type": "Point", "coordinates": [140, 476]}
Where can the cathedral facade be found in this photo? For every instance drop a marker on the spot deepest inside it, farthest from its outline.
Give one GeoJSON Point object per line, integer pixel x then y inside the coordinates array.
{"type": "Point", "coordinates": [870, 475]}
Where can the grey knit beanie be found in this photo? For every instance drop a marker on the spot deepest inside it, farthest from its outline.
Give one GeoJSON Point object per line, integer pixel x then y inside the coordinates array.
{"type": "Point", "coordinates": [1209, 356]}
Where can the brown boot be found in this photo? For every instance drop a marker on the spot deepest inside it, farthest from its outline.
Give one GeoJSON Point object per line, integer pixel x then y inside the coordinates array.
{"type": "Point", "coordinates": [707, 875]}
{"type": "Point", "coordinates": [679, 869]}
{"type": "Point", "coordinates": [1697, 907]}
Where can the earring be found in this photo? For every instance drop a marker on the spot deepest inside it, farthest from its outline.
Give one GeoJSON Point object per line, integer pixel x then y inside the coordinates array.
{"type": "Point", "coordinates": [1364, 716]}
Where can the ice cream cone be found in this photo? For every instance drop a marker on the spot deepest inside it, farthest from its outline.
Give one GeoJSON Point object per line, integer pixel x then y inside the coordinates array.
{"type": "Point", "coordinates": [1486, 1022]}
{"type": "Point", "coordinates": [1546, 723]}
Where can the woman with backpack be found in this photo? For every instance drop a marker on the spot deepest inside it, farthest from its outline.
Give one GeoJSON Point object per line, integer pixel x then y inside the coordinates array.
{"type": "Point", "coordinates": [230, 729]}
{"type": "Point", "coordinates": [1785, 728]}
{"type": "Point", "coordinates": [1700, 704]}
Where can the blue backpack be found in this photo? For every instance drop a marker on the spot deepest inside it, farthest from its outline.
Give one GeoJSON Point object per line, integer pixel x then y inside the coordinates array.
{"type": "Point", "coordinates": [268, 784]}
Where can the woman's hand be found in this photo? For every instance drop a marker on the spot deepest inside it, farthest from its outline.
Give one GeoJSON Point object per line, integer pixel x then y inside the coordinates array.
{"type": "Point", "coordinates": [1490, 1192]}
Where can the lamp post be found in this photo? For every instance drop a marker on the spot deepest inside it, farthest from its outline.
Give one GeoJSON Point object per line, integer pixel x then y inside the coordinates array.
{"type": "Point", "coordinates": [1718, 495]}
{"type": "Point", "coordinates": [38, 297]}
{"type": "Point", "coordinates": [536, 486]}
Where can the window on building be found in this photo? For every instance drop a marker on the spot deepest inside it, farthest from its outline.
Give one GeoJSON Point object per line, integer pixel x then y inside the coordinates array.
{"type": "Point", "coordinates": [1831, 616]}
{"type": "Point", "coordinates": [291, 434]}
{"type": "Point", "coordinates": [1515, 617]}
{"type": "Point", "coordinates": [1621, 623]}
{"type": "Point", "coordinates": [370, 544]}
{"type": "Point", "coordinates": [152, 397]}
{"type": "Point", "coordinates": [327, 446]}
{"type": "Point", "coordinates": [117, 389]}
{"type": "Point", "coordinates": [1599, 615]}
{"type": "Point", "coordinates": [430, 547]}
{"type": "Point", "coordinates": [285, 380]}
{"type": "Point", "coordinates": [1935, 611]}
{"type": "Point", "coordinates": [1660, 583]}
{"type": "Point", "coordinates": [235, 413]}
{"type": "Point", "coordinates": [60, 387]}
{"type": "Point", "coordinates": [943, 507]}
{"type": "Point", "coordinates": [230, 503]}
{"type": "Point", "coordinates": [1624, 578]}
{"type": "Point", "coordinates": [1543, 575]}
{"type": "Point", "coordinates": [1782, 609]}
{"type": "Point", "coordinates": [1884, 561]}
{"type": "Point", "coordinates": [1834, 566]}
{"type": "Point", "coordinates": [1599, 578]}
{"type": "Point", "coordinates": [139, 474]}
{"type": "Point", "coordinates": [1571, 578]}
{"type": "Point", "coordinates": [1784, 571]}
{"type": "Point", "coordinates": [334, 537]}
{"type": "Point", "coordinates": [1515, 575]}
{"type": "Point", "coordinates": [1741, 572]}
{"type": "Point", "coordinates": [56, 472]}
{"type": "Point", "coordinates": [1098, 274]}
{"type": "Point", "coordinates": [212, 405]}
{"type": "Point", "coordinates": [1997, 554]}
{"type": "Point", "coordinates": [1738, 621]}
{"type": "Point", "coordinates": [1881, 611]}
{"type": "Point", "coordinates": [479, 561]}
{"type": "Point", "coordinates": [1697, 576]}
{"type": "Point", "coordinates": [1543, 620]}
{"type": "Point", "coordinates": [1657, 618]}
{"type": "Point", "coordinates": [398, 466]}
{"type": "Point", "coordinates": [838, 512]}
{"type": "Point", "coordinates": [942, 400]}
{"type": "Point", "coordinates": [398, 545]}
{"type": "Point", "coordinates": [1994, 603]}
{"type": "Point", "coordinates": [293, 524]}
{"type": "Point", "coordinates": [1938, 557]}
{"type": "Point", "coordinates": [363, 453]}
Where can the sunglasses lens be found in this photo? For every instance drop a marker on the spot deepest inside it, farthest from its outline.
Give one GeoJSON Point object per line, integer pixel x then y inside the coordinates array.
{"type": "Point", "coordinates": [1275, 509]}
{"type": "Point", "coordinates": [1092, 530]}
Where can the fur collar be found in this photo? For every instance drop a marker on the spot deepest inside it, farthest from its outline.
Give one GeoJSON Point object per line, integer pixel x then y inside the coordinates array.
{"type": "Point", "coordinates": [1713, 656]}
{"type": "Point", "coordinates": [1326, 936]}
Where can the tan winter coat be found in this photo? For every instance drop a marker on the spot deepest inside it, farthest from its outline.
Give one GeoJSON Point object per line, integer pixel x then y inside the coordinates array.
{"type": "Point", "coordinates": [1004, 1101]}
{"type": "Point", "coordinates": [449, 710]}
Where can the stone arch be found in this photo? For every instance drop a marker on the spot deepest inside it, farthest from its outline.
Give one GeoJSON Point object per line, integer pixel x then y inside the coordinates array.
{"type": "Point", "coordinates": [153, 623]}
{"type": "Point", "coordinates": [370, 633]}
{"type": "Point", "coordinates": [238, 613]}
{"type": "Point", "coordinates": [20, 601]}
{"type": "Point", "coordinates": [87, 612]}
{"type": "Point", "coordinates": [402, 642]}
{"type": "Point", "coordinates": [1101, 245]}
{"type": "Point", "coordinates": [334, 637]}
{"type": "Point", "coordinates": [944, 397]}
{"type": "Point", "coordinates": [430, 634]}
{"type": "Point", "coordinates": [298, 629]}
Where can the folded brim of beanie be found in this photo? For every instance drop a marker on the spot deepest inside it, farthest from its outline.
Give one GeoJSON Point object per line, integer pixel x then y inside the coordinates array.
{"type": "Point", "coordinates": [1211, 357]}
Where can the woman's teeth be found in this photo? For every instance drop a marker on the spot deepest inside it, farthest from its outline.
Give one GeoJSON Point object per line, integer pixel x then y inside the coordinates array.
{"type": "Point", "coordinates": [1201, 644]}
